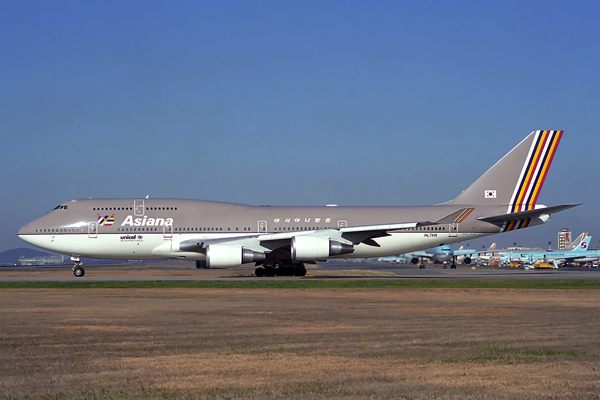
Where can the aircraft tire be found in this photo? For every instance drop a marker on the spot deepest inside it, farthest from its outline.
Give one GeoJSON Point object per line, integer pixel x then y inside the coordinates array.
{"type": "Point", "coordinates": [260, 271]}
{"type": "Point", "coordinates": [300, 271]}
{"type": "Point", "coordinates": [269, 271]}
{"type": "Point", "coordinates": [78, 272]}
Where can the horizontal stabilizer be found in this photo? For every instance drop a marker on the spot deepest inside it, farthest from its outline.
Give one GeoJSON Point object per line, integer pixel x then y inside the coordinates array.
{"type": "Point", "coordinates": [523, 215]}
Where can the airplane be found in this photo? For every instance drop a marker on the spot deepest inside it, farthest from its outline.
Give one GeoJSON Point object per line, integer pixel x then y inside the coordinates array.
{"type": "Point", "coordinates": [575, 252]}
{"type": "Point", "coordinates": [468, 256]}
{"type": "Point", "coordinates": [280, 240]}
{"type": "Point", "coordinates": [444, 255]}
{"type": "Point", "coordinates": [437, 255]}
{"type": "Point", "coordinates": [483, 256]}
{"type": "Point", "coordinates": [527, 256]}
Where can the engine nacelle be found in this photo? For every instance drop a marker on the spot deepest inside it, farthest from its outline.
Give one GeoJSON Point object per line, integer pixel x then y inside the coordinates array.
{"type": "Point", "coordinates": [229, 255]}
{"type": "Point", "coordinates": [414, 260]}
{"type": "Point", "coordinates": [310, 248]}
{"type": "Point", "coordinates": [466, 260]}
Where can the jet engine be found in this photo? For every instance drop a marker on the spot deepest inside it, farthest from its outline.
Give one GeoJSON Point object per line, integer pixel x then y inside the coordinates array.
{"type": "Point", "coordinates": [414, 260]}
{"type": "Point", "coordinates": [228, 255]}
{"type": "Point", "coordinates": [466, 260]}
{"type": "Point", "coordinates": [310, 248]}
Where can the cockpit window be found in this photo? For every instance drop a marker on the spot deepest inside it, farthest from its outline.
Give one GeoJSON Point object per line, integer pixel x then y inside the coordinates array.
{"type": "Point", "coordinates": [61, 207]}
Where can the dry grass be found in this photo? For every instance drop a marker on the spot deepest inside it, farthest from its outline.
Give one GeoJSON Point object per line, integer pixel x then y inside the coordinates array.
{"type": "Point", "coordinates": [301, 343]}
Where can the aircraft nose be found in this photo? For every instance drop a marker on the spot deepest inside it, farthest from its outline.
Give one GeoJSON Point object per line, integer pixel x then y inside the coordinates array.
{"type": "Point", "coordinates": [25, 232]}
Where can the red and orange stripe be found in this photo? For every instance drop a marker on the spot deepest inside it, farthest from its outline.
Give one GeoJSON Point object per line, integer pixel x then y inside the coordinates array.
{"type": "Point", "coordinates": [535, 170]}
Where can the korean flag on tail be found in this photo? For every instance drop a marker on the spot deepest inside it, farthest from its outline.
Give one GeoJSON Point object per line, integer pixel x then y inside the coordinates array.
{"type": "Point", "coordinates": [490, 194]}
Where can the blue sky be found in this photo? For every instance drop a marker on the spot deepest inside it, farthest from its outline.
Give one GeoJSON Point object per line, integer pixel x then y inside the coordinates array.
{"type": "Point", "coordinates": [294, 102]}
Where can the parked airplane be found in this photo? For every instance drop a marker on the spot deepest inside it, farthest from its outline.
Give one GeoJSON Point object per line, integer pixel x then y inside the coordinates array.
{"type": "Point", "coordinates": [444, 255]}
{"type": "Point", "coordinates": [576, 252]}
{"type": "Point", "coordinates": [437, 255]}
{"type": "Point", "coordinates": [467, 256]}
{"type": "Point", "coordinates": [279, 240]}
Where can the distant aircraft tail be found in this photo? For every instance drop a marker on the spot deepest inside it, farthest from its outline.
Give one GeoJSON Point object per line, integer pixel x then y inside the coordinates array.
{"type": "Point", "coordinates": [581, 243]}
{"type": "Point", "coordinates": [517, 179]}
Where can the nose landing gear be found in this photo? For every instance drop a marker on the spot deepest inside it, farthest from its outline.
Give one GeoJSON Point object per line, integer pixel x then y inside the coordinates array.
{"type": "Point", "coordinates": [78, 270]}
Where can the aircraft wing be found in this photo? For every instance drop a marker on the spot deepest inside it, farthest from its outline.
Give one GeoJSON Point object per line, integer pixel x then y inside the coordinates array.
{"type": "Point", "coordinates": [354, 235]}
{"type": "Point", "coordinates": [420, 254]}
{"type": "Point", "coordinates": [466, 252]}
{"type": "Point", "coordinates": [581, 256]}
{"type": "Point", "coordinates": [571, 259]}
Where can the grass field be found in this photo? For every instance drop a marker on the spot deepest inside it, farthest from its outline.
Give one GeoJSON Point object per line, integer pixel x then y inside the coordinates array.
{"type": "Point", "coordinates": [316, 342]}
{"type": "Point", "coordinates": [312, 284]}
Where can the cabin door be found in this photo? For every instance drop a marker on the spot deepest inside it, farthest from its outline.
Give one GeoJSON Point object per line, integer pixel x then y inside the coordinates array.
{"type": "Point", "coordinates": [93, 229]}
{"type": "Point", "coordinates": [453, 229]}
{"type": "Point", "coordinates": [138, 208]}
{"type": "Point", "coordinates": [262, 226]}
{"type": "Point", "coordinates": [167, 231]}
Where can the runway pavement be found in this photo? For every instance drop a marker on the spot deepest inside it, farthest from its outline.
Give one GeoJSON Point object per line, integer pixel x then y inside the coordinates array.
{"type": "Point", "coordinates": [330, 270]}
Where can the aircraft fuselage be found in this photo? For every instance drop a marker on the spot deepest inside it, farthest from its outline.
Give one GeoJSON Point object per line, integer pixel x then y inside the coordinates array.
{"type": "Point", "coordinates": [153, 228]}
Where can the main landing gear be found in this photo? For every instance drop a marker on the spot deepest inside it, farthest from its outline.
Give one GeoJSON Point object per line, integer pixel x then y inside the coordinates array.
{"type": "Point", "coordinates": [452, 265]}
{"type": "Point", "coordinates": [78, 270]}
{"type": "Point", "coordinates": [295, 269]}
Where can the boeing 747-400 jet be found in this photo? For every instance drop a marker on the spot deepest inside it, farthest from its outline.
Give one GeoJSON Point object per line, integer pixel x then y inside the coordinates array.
{"type": "Point", "coordinates": [279, 240]}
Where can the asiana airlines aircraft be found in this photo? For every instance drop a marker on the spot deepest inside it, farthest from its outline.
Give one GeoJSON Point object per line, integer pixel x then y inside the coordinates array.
{"type": "Point", "coordinates": [280, 240]}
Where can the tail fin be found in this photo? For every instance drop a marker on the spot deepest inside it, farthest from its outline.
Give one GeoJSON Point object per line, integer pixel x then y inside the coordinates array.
{"type": "Point", "coordinates": [517, 179]}
{"type": "Point", "coordinates": [581, 243]}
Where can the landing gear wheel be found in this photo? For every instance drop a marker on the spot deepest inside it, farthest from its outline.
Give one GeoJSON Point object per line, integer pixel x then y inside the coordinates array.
{"type": "Point", "coordinates": [260, 271]}
{"type": "Point", "coordinates": [284, 271]}
{"type": "Point", "coordinates": [300, 271]}
{"type": "Point", "coordinates": [78, 272]}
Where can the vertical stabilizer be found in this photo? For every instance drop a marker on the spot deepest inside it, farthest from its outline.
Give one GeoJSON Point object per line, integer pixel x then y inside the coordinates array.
{"type": "Point", "coordinates": [581, 243]}
{"type": "Point", "coordinates": [517, 179]}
